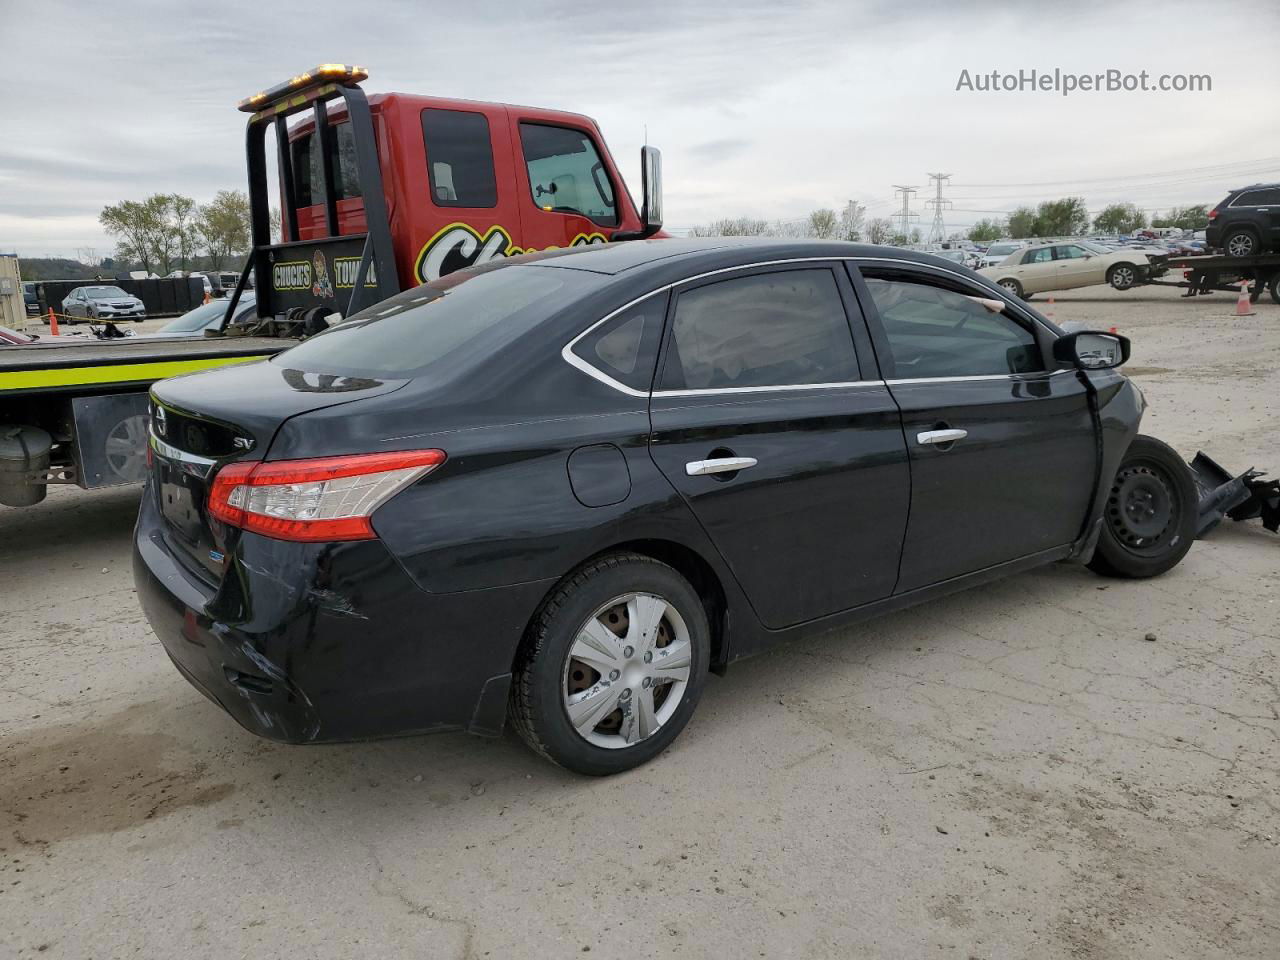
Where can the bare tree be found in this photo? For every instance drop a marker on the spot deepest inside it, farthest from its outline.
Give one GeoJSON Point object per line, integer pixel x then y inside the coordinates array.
{"type": "Point", "coordinates": [880, 230]}
{"type": "Point", "coordinates": [852, 219]}
{"type": "Point", "coordinates": [823, 224]}
{"type": "Point", "coordinates": [732, 227]}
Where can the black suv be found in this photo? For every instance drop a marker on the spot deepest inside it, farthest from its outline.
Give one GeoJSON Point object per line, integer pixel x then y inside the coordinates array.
{"type": "Point", "coordinates": [1247, 222]}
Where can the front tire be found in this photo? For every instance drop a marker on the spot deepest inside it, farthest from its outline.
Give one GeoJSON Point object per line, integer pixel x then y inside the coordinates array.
{"type": "Point", "coordinates": [1149, 519]}
{"type": "Point", "coordinates": [1122, 276]}
{"type": "Point", "coordinates": [612, 666]}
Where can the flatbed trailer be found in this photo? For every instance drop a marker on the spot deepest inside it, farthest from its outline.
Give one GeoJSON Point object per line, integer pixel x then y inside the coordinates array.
{"type": "Point", "coordinates": [77, 413]}
{"type": "Point", "coordinates": [1218, 273]}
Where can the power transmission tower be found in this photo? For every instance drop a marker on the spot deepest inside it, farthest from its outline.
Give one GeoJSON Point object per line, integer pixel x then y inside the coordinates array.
{"type": "Point", "coordinates": [906, 216]}
{"type": "Point", "coordinates": [938, 231]}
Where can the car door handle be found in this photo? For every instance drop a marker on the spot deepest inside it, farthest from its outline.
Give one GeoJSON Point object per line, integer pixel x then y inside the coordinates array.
{"type": "Point", "coordinates": [940, 436]}
{"type": "Point", "coordinates": [703, 468]}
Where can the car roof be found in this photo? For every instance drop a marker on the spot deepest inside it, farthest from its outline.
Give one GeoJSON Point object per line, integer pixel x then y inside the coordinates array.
{"type": "Point", "coordinates": [644, 256]}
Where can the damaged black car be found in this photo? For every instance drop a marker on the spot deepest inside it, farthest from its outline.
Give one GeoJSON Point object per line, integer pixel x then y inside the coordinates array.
{"type": "Point", "coordinates": [560, 490]}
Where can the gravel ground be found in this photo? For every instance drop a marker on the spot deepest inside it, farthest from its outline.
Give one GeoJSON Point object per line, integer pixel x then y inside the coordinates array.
{"type": "Point", "coordinates": [1009, 773]}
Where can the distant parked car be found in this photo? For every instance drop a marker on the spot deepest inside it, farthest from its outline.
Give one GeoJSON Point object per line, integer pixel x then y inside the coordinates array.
{"type": "Point", "coordinates": [997, 252]}
{"type": "Point", "coordinates": [31, 298]}
{"type": "Point", "coordinates": [1247, 223]}
{"type": "Point", "coordinates": [966, 258]}
{"type": "Point", "coordinates": [207, 315]}
{"type": "Point", "coordinates": [1065, 266]}
{"type": "Point", "coordinates": [103, 303]}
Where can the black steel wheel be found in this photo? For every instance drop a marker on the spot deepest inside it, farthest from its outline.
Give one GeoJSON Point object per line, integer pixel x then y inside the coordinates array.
{"type": "Point", "coordinates": [1149, 517]}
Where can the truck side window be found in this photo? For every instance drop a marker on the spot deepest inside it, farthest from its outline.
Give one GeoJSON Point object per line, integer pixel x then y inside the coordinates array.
{"type": "Point", "coordinates": [307, 171]}
{"type": "Point", "coordinates": [459, 158]}
{"type": "Point", "coordinates": [565, 173]}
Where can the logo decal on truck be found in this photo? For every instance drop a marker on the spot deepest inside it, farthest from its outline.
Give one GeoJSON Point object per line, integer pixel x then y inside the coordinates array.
{"type": "Point", "coordinates": [291, 275]}
{"type": "Point", "coordinates": [322, 288]}
{"type": "Point", "coordinates": [459, 245]}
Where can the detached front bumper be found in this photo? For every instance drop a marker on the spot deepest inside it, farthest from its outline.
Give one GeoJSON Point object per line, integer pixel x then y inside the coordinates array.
{"type": "Point", "coordinates": [326, 642]}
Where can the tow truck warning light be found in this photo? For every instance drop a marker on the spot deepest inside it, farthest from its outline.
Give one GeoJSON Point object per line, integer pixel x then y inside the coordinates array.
{"type": "Point", "coordinates": [324, 73]}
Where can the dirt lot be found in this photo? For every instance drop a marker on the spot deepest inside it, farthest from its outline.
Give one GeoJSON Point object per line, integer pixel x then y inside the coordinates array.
{"type": "Point", "coordinates": [1009, 773]}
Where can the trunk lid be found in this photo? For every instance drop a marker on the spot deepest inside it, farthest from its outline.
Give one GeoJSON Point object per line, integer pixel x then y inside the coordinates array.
{"type": "Point", "coordinates": [202, 421]}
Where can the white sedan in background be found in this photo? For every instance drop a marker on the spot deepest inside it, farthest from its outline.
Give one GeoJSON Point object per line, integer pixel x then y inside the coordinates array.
{"type": "Point", "coordinates": [1066, 265]}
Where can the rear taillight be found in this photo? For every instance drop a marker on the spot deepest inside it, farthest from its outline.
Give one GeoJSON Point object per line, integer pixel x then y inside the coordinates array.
{"type": "Point", "coordinates": [329, 498]}
{"type": "Point", "coordinates": [1213, 214]}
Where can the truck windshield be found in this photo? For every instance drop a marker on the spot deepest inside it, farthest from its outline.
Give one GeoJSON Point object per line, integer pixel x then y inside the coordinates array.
{"type": "Point", "coordinates": [444, 327]}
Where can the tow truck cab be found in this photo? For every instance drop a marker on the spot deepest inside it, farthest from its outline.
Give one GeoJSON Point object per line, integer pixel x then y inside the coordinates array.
{"type": "Point", "coordinates": [380, 193]}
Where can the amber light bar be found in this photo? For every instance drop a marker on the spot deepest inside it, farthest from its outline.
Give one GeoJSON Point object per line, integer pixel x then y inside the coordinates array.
{"type": "Point", "coordinates": [324, 73]}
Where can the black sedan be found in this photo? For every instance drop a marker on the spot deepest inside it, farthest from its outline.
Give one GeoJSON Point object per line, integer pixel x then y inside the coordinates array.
{"type": "Point", "coordinates": [564, 487]}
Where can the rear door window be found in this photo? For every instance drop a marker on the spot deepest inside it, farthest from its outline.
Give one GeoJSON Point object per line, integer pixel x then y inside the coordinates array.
{"type": "Point", "coordinates": [1043, 255]}
{"type": "Point", "coordinates": [774, 329]}
{"type": "Point", "coordinates": [566, 174]}
{"type": "Point", "coordinates": [459, 158]}
{"type": "Point", "coordinates": [1259, 198]}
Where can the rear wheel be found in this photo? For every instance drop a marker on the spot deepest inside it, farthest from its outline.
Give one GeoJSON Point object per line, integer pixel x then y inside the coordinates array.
{"type": "Point", "coordinates": [1122, 276]}
{"type": "Point", "coordinates": [613, 666]}
{"type": "Point", "coordinates": [1274, 286]}
{"type": "Point", "coordinates": [1012, 287]}
{"type": "Point", "coordinates": [1149, 520]}
{"type": "Point", "coordinates": [1240, 242]}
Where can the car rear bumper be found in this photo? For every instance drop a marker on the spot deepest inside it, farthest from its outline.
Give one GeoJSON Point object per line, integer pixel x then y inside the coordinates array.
{"type": "Point", "coordinates": [1213, 235]}
{"type": "Point", "coordinates": [326, 642]}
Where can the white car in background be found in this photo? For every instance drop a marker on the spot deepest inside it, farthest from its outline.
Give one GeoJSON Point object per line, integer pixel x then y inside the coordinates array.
{"type": "Point", "coordinates": [1067, 264]}
{"type": "Point", "coordinates": [999, 250]}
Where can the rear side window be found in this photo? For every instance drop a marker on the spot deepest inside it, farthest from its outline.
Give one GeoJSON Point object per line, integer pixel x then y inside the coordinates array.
{"type": "Point", "coordinates": [1043, 255]}
{"type": "Point", "coordinates": [308, 174]}
{"type": "Point", "coordinates": [936, 332]}
{"type": "Point", "coordinates": [566, 174]}
{"type": "Point", "coordinates": [1258, 198]}
{"type": "Point", "coordinates": [764, 330]}
{"type": "Point", "coordinates": [445, 328]}
{"type": "Point", "coordinates": [625, 348]}
{"type": "Point", "coordinates": [459, 158]}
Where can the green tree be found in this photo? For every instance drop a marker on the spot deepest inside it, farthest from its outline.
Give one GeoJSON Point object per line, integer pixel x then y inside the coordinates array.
{"type": "Point", "coordinates": [1185, 218]}
{"type": "Point", "coordinates": [1067, 217]}
{"type": "Point", "coordinates": [133, 225]}
{"type": "Point", "coordinates": [1120, 218]}
{"type": "Point", "coordinates": [222, 226]}
{"type": "Point", "coordinates": [1022, 223]}
{"type": "Point", "coordinates": [986, 230]}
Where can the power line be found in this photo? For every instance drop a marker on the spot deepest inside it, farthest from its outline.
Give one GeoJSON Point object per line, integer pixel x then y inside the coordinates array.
{"type": "Point", "coordinates": [1226, 167]}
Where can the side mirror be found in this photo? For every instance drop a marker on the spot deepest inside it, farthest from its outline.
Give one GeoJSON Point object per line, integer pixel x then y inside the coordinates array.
{"type": "Point", "coordinates": [1092, 351]}
{"type": "Point", "coordinates": [651, 185]}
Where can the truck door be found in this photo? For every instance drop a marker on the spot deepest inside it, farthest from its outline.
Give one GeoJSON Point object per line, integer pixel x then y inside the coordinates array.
{"type": "Point", "coordinates": [572, 195]}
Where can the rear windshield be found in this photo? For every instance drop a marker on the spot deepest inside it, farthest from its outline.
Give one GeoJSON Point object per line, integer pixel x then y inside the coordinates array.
{"type": "Point", "coordinates": [203, 316]}
{"type": "Point", "coordinates": [443, 326]}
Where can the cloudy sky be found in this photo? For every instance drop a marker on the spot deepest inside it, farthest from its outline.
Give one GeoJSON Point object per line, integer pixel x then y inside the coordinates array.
{"type": "Point", "coordinates": [767, 109]}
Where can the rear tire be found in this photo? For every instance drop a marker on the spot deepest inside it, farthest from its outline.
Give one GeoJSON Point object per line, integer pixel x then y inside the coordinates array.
{"type": "Point", "coordinates": [614, 643]}
{"type": "Point", "coordinates": [1011, 287]}
{"type": "Point", "coordinates": [1274, 287]}
{"type": "Point", "coordinates": [1240, 242]}
{"type": "Point", "coordinates": [1149, 519]}
{"type": "Point", "coordinates": [1122, 276]}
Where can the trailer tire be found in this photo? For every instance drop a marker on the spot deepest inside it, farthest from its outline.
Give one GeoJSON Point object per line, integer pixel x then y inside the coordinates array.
{"type": "Point", "coordinates": [1149, 517]}
{"type": "Point", "coordinates": [1122, 276]}
{"type": "Point", "coordinates": [1274, 286]}
{"type": "Point", "coordinates": [1240, 242]}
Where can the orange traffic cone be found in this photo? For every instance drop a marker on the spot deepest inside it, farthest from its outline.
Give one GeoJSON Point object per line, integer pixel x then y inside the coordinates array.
{"type": "Point", "coordinates": [207, 298]}
{"type": "Point", "coordinates": [53, 323]}
{"type": "Point", "coordinates": [1112, 330]}
{"type": "Point", "coordinates": [1244, 308]}
{"type": "Point", "coordinates": [1048, 310]}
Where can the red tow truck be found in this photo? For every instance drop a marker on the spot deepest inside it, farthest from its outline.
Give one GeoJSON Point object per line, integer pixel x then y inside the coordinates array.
{"type": "Point", "coordinates": [377, 194]}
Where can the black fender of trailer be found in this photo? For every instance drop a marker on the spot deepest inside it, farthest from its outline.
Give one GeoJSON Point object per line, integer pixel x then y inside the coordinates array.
{"type": "Point", "coordinates": [109, 439]}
